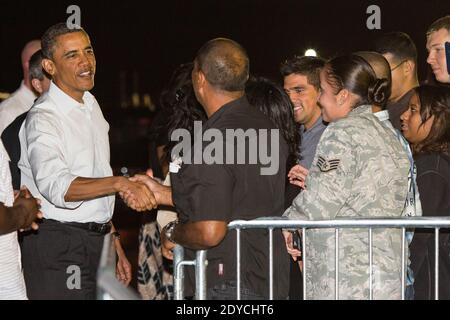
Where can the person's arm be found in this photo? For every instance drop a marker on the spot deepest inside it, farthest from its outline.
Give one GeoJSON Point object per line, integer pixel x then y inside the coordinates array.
{"type": "Point", "coordinates": [297, 176]}
{"type": "Point", "coordinates": [163, 194]}
{"type": "Point", "coordinates": [329, 179]}
{"type": "Point", "coordinates": [123, 268]}
{"type": "Point", "coordinates": [200, 235]}
{"type": "Point", "coordinates": [55, 181]}
{"type": "Point", "coordinates": [209, 189]}
{"type": "Point", "coordinates": [90, 188]}
{"type": "Point", "coordinates": [20, 216]}
{"type": "Point", "coordinates": [11, 219]}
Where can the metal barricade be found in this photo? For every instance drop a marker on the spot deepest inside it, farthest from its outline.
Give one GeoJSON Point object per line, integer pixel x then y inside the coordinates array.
{"type": "Point", "coordinates": [272, 223]}
{"type": "Point", "coordinates": [108, 287]}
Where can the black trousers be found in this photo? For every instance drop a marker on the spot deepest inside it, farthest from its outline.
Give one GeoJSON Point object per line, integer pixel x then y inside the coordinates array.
{"type": "Point", "coordinates": [60, 262]}
{"type": "Point", "coordinates": [295, 282]}
{"type": "Point", "coordinates": [227, 291]}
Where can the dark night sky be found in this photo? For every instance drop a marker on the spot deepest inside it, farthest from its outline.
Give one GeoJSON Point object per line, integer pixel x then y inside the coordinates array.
{"type": "Point", "coordinates": [153, 37]}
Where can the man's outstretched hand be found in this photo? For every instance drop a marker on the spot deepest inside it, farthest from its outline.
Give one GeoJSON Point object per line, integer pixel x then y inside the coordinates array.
{"type": "Point", "coordinates": [137, 195]}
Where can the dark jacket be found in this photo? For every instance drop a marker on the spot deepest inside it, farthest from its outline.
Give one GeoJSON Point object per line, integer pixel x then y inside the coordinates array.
{"type": "Point", "coordinates": [433, 180]}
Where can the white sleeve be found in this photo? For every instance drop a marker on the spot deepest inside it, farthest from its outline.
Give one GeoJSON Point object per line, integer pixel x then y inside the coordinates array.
{"type": "Point", "coordinates": [46, 154]}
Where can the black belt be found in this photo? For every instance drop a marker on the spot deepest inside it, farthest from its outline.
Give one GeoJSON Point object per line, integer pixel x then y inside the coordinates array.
{"type": "Point", "coordinates": [102, 228]}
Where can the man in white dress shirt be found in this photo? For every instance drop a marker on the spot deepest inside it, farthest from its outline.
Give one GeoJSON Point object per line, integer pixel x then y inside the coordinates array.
{"type": "Point", "coordinates": [22, 99]}
{"type": "Point", "coordinates": [65, 161]}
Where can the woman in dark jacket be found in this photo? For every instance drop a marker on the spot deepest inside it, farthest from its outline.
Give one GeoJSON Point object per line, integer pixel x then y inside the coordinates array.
{"type": "Point", "coordinates": [271, 99]}
{"type": "Point", "coordinates": [426, 125]}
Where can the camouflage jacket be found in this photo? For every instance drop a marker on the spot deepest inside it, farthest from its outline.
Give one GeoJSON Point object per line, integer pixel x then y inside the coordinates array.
{"type": "Point", "coordinates": [360, 170]}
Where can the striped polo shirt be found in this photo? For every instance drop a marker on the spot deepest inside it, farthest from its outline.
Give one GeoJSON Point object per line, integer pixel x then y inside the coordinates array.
{"type": "Point", "coordinates": [12, 285]}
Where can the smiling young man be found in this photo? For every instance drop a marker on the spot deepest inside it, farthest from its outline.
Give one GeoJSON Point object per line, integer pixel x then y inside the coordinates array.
{"type": "Point", "coordinates": [302, 83]}
{"type": "Point", "coordinates": [437, 35]}
{"type": "Point", "coordinates": [65, 162]}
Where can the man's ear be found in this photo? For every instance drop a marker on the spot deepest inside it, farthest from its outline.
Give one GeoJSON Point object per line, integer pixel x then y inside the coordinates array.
{"type": "Point", "coordinates": [201, 79]}
{"type": "Point", "coordinates": [408, 67]}
{"type": "Point", "coordinates": [48, 66]}
{"type": "Point", "coordinates": [37, 85]}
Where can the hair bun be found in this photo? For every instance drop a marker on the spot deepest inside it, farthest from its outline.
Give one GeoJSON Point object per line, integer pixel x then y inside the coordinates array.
{"type": "Point", "coordinates": [378, 93]}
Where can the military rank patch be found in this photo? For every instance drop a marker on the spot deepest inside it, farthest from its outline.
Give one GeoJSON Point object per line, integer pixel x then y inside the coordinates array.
{"type": "Point", "coordinates": [327, 165]}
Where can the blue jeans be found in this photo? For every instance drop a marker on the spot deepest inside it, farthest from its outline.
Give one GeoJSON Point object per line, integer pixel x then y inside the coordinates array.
{"type": "Point", "coordinates": [409, 292]}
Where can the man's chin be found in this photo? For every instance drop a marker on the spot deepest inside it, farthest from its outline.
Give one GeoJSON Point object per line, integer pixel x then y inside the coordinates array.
{"type": "Point", "coordinates": [442, 78]}
{"type": "Point", "coordinates": [88, 87]}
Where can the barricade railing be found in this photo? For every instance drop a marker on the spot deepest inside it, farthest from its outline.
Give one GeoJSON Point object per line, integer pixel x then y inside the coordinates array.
{"type": "Point", "coordinates": [108, 287]}
{"type": "Point", "coordinates": [272, 223]}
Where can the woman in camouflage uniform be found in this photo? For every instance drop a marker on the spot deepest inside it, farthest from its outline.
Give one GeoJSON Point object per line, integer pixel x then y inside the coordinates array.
{"type": "Point", "coordinates": [360, 170]}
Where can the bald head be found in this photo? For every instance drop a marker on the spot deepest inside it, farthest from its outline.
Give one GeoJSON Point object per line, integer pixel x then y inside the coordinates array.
{"type": "Point", "coordinates": [30, 48]}
{"type": "Point", "coordinates": [224, 63]}
{"type": "Point", "coordinates": [378, 63]}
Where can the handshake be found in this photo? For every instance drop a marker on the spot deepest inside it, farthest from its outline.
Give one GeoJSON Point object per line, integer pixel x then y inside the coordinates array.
{"type": "Point", "coordinates": [141, 192]}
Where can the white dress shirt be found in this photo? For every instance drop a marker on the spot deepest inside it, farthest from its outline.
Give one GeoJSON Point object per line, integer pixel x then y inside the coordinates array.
{"type": "Point", "coordinates": [61, 140]}
{"type": "Point", "coordinates": [12, 285]}
{"type": "Point", "coordinates": [19, 102]}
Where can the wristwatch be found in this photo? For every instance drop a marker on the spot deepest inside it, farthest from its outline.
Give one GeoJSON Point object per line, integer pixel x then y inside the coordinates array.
{"type": "Point", "coordinates": [169, 230]}
{"type": "Point", "coordinates": [116, 235]}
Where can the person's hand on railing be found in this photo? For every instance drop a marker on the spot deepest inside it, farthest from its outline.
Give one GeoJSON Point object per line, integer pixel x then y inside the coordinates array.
{"type": "Point", "coordinates": [288, 239]}
{"type": "Point", "coordinates": [297, 176]}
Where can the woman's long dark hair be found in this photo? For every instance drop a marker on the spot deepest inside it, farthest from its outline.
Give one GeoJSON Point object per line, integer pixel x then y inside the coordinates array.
{"type": "Point", "coordinates": [271, 99]}
{"type": "Point", "coordinates": [179, 103]}
{"type": "Point", "coordinates": [434, 101]}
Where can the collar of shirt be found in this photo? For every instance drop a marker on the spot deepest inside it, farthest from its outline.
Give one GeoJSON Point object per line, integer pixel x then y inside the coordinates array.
{"type": "Point", "coordinates": [366, 108]}
{"type": "Point", "coordinates": [316, 124]}
{"type": "Point", "coordinates": [225, 108]}
{"type": "Point", "coordinates": [66, 103]}
{"type": "Point", "coordinates": [382, 115]}
{"type": "Point", "coordinates": [402, 103]}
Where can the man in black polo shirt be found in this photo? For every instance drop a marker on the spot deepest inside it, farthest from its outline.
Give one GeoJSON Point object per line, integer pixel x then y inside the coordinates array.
{"type": "Point", "coordinates": [209, 196]}
{"type": "Point", "coordinates": [401, 54]}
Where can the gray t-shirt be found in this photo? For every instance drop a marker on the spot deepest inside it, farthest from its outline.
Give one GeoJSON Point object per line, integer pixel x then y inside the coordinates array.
{"type": "Point", "coordinates": [309, 140]}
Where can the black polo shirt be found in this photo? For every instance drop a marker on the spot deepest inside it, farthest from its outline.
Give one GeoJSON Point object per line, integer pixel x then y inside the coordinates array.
{"type": "Point", "coordinates": [10, 138]}
{"type": "Point", "coordinates": [228, 192]}
{"type": "Point", "coordinates": [396, 109]}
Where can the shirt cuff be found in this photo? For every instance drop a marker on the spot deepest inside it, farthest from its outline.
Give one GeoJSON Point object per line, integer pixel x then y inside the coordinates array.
{"type": "Point", "coordinates": [61, 187]}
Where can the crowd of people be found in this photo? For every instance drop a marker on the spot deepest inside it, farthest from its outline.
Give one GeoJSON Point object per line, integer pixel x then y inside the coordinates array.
{"type": "Point", "coordinates": [357, 135]}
